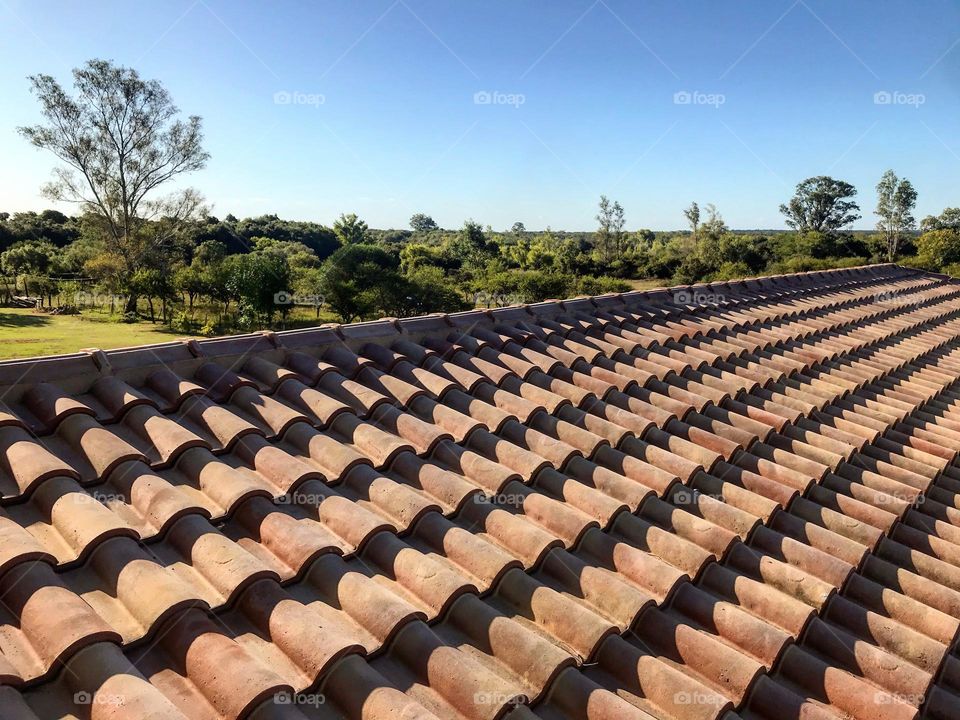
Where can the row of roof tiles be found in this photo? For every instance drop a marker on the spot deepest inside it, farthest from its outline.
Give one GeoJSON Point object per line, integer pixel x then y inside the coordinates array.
{"type": "Point", "coordinates": [621, 507]}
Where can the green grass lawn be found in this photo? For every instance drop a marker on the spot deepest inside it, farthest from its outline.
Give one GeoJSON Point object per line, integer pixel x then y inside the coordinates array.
{"type": "Point", "coordinates": [26, 333]}
{"type": "Point", "coordinates": [648, 284]}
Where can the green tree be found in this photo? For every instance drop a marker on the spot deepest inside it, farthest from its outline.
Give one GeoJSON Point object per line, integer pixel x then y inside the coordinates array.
{"type": "Point", "coordinates": [936, 249]}
{"type": "Point", "coordinates": [260, 281]}
{"type": "Point", "coordinates": [471, 246]}
{"type": "Point", "coordinates": [422, 223]}
{"type": "Point", "coordinates": [896, 199]}
{"type": "Point", "coordinates": [609, 235]}
{"type": "Point", "coordinates": [351, 230]}
{"type": "Point", "coordinates": [692, 214]}
{"type": "Point", "coordinates": [821, 204]}
{"type": "Point", "coordinates": [357, 279]}
{"type": "Point", "coordinates": [153, 283]}
{"type": "Point", "coordinates": [949, 219]}
{"type": "Point", "coordinates": [714, 226]}
{"type": "Point", "coordinates": [28, 260]}
{"type": "Point", "coordinates": [120, 142]}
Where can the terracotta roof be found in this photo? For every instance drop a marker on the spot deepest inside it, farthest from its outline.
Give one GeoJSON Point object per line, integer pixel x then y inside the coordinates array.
{"type": "Point", "coordinates": [731, 501]}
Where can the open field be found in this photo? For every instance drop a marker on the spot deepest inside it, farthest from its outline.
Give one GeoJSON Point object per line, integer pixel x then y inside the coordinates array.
{"type": "Point", "coordinates": [27, 333]}
{"type": "Point", "coordinates": [648, 283]}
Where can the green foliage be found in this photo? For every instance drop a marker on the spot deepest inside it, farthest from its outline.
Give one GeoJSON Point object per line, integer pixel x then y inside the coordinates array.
{"type": "Point", "coordinates": [896, 199]}
{"type": "Point", "coordinates": [258, 281]}
{"type": "Point", "coordinates": [590, 285]}
{"type": "Point", "coordinates": [938, 249]}
{"type": "Point", "coordinates": [49, 226]}
{"type": "Point", "coordinates": [358, 279]}
{"type": "Point", "coordinates": [28, 256]}
{"type": "Point", "coordinates": [821, 204]}
{"type": "Point", "coordinates": [351, 230]}
{"type": "Point", "coordinates": [805, 263]}
{"type": "Point", "coordinates": [422, 223]}
{"type": "Point", "coordinates": [949, 219]}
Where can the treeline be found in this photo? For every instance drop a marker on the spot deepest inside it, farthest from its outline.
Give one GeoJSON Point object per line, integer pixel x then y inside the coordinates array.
{"type": "Point", "coordinates": [213, 276]}
{"type": "Point", "coordinates": [120, 141]}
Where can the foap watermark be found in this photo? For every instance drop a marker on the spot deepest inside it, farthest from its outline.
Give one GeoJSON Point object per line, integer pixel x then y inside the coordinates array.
{"type": "Point", "coordinates": [883, 698]}
{"type": "Point", "coordinates": [694, 697]}
{"type": "Point", "coordinates": [86, 698]}
{"type": "Point", "coordinates": [285, 297]}
{"type": "Point", "coordinates": [896, 97]}
{"type": "Point", "coordinates": [302, 699]}
{"type": "Point", "coordinates": [893, 298]}
{"type": "Point", "coordinates": [488, 299]}
{"type": "Point", "coordinates": [695, 97]}
{"type": "Point", "coordinates": [698, 297]}
{"type": "Point", "coordinates": [514, 500]}
{"type": "Point", "coordinates": [495, 97]}
{"type": "Point", "coordinates": [691, 496]}
{"type": "Point", "coordinates": [84, 298]}
{"type": "Point", "coordinates": [296, 497]}
{"type": "Point", "coordinates": [296, 97]}
{"type": "Point", "coordinates": [898, 499]}
{"type": "Point", "coordinates": [498, 699]}
{"type": "Point", "coordinates": [99, 496]}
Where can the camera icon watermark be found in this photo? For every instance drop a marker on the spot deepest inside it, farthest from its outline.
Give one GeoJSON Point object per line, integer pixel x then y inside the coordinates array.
{"type": "Point", "coordinates": [498, 699]}
{"type": "Point", "coordinates": [695, 97]}
{"type": "Point", "coordinates": [296, 497]}
{"type": "Point", "coordinates": [495, 97]}
{"type": "Point", "coordinates": [694, 697]}
{"type": "Point", "coordinates": [690, 297]}
{"type": "Point", "coordinates": [494, 300]}
{"type": "Point", "coordinates": [285, 297]}
{"type": "Point", "coordinates": [87, 698]}
{"type": "Point", "coordinates": [883, 698]}
{"type": "Point", "coordinates": [895, 299]}
{"type": "Point", "coordinates": [295, 97]}
{"type": "Point", "coordinates": [686, 496]}
{"type": "Point", "coordinates": [303, 699]}
{"type": "Point", "coordinates": [896, 97]}
{"type": "Point", "coordinates": [514, 500]}
{"type": "Point", "coordinates": [85, 298]}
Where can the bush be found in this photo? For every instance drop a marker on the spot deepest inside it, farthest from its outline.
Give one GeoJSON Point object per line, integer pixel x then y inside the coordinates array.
{"type": "Point", "coordinates": [183, 322]}
{"type": "Point", "coordinates": [936, 249]}
{"type": "Point", "coordinates": [732, 271]}
{"type": "Point", "coordinates": [805, 263]}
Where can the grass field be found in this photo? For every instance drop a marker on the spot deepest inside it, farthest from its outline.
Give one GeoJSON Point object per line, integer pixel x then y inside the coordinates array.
{"type": "Point", "coordinates": [26, 333]}
{"type": "Point", "coordinates": [648, 284]}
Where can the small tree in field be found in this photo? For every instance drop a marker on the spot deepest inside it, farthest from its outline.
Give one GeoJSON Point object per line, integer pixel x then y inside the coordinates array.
{"type": "Point", "coordinates": [121, 142]}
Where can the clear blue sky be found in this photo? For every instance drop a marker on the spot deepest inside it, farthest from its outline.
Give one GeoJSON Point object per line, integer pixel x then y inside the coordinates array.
{"type": "Point", "coordinates": [398, 130]}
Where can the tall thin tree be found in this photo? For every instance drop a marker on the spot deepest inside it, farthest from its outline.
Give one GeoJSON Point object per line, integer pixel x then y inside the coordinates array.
{"type": "Point", "coordinates": [604, 230]}
{"type": "Point", "coordinates": [120, 141]}
{"type": "Point", "coordinates": [896, 199]}
{"type": "Point", "coordinates": [692, 214]}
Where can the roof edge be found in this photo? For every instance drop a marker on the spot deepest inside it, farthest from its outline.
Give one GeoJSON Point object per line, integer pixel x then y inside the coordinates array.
{"type": "Point", "coordinates": [97, 361]}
